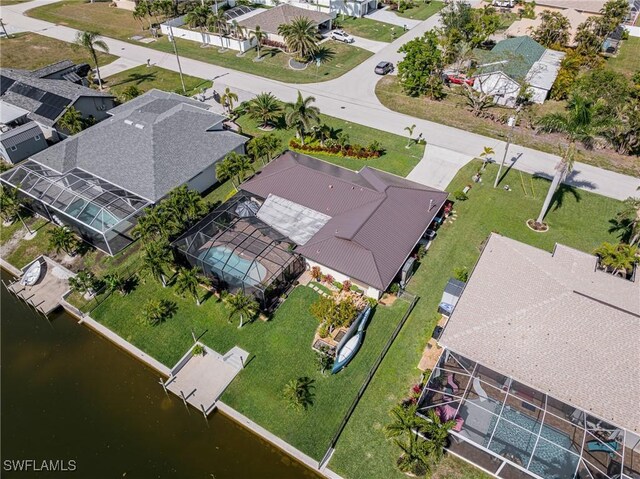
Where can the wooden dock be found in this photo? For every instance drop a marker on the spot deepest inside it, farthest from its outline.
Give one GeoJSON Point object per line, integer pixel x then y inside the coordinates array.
{"type": "Point", "coordinates": [46, 294]}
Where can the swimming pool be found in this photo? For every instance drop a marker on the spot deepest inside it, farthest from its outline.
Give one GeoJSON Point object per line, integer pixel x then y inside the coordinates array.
{"type": "Point", "coordinates": [221, 259]}
{"type": "Point", "coordinates": [549, 460]}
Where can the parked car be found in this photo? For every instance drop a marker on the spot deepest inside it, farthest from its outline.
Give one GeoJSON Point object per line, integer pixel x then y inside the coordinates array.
{"type": "Point", "coordinates": [341, 36]}
{"type": "Point", "coordinates": [503, 3]}
{"type": "Point", "coordinates": [383, 68]}
{"type": "Point", "coordinates": [459, 79]}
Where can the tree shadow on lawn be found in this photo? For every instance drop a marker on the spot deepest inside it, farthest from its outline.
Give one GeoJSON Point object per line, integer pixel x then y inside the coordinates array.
{"type": "Point", "coordinates": [559, 196]}
{"type": "Point", "coordinates": [137, 78]}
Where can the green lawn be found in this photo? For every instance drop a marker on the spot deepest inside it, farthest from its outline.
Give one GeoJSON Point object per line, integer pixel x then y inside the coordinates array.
{"type": "Point", "coordinates": [627, 60]}
{"type": "Point", "coordinates": [119, 23]}
{"type": "Point", "coordinates": [371, 29]}
{"type": "Point", "coordinates": [27, 251]}
{"type": "Point", "coordinates": [421, 10]}
{"type": "Point", "coordinates": [581, 222]}
{"type": "Point", "coordinates": [145, 78]}
{"type": "Point", "coordinates": [280, 350]}
{"type": "Point", "coordinates": [397, 159]}
{"type": "Point", "coordinates": [30, 51]}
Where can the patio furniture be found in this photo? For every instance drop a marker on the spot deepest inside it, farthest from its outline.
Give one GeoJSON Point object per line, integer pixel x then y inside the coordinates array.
{"type": "Point", "coordinates": [482, 394]}
{"type": "Point", "coordinates": [609, 447]}
{"type": "Point", "coordinates": [452, 383]}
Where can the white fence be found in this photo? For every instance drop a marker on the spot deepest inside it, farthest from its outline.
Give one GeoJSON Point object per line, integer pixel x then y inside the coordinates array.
{"type": "Point", "coordinates": [633, 31]}
{"type": "Point", "coordinates": [172, 28]}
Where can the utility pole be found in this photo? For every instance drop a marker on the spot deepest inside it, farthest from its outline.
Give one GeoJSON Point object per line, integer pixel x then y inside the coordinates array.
{"type": "Point", "coordinates": [175, 49]}
{"type": "Point", "coordinates": [3, 28]}
{"type": "Point", "coordinates": [512, 123]}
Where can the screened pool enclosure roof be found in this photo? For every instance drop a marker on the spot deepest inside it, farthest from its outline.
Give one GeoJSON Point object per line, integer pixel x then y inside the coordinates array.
{"type": "Point", "coordinates": [92, 201]}
{"type": "Point", "coordinates": [524, 428]}
{"type": "Point", "coordinates": [234, 245]}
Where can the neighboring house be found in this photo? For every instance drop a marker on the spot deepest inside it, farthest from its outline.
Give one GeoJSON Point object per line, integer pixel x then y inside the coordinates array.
{"type": "Point", "coordinates": [590, 7]}
{"type": "Point", "coordinates": [46, 93]}
{"type": "Point", "coordinates": [526, 26]}
{"type": "Point", "coordinates": [21, 142]}
{"type": "Point", "coordinates": [354, 8]}
{"type": "Point", "coordinates": [358, 226]}
{"type": "Point", "coordinates": [540, 366]}
{"type": "Point", "coordinates": [511, 64]}
{"type": "Point", "coordinates": [99, 181]}
{"type": "Point", "coordinates": [270, 19]}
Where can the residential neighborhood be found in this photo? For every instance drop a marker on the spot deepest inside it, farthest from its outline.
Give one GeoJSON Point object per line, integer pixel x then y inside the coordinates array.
{"type": "Point", "coordinates": [344, 240]}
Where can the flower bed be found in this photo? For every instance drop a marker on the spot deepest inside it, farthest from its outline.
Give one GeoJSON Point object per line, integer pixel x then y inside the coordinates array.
{"type": "Point", "coordinates": [349, 151]}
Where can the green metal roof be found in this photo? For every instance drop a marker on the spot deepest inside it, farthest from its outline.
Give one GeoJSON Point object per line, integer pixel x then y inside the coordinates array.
{"type": "Point", "coordinates": [513, 56]}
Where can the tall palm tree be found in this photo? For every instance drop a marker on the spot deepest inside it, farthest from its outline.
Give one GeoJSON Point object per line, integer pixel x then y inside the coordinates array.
{"type": "Point", "coordinates": [322, 133]}
{"type": "Point", "coordinates": [61, 238]}
{"type": "Point", "coordinates": [188, 281]}
{"type": "Point", "coordinates": [301, 37]}
{"type": "Point", "coordinates": [259, 36]}
{"type": "Point", "coordinates": [301, 115]}
{"type": "Point", "coordinates": [227, 99]}
{"type": "Point", "coordinates": [185, 206]}
{"type": "Point", "coordinates": [71, 121]}
{"type": "Point", "coordinates": [227, 170]}
{"type": "Point", "coordinates": [298, 392]}
{"type": "Point", "coordinates": [198, 17]}
{"type": "Point", "coordinates": [141, 11]}
{"type": "Point", "coordinates": [257, 148]}
{"type": "Point", "coordinates": [217, 23]}
{"type": "Point", "coordinates": [239, 165]}
{"type": "Point", "coordinates": [243, 306]}
{"type": "Point", "coordinates": [272, 145]}
{"type": "Point", "coordinates": [91, 41]}
{"type": "Point", "coordinates": [10, 204]}
{"type": "Point", "coordinates": [115, 282]}
{"type": "Point", "coordinates": [157, 256]}
{"type": "Point", "coordinates": [264, 108]}
{"type": "Point", "coordinates": [627, 222]}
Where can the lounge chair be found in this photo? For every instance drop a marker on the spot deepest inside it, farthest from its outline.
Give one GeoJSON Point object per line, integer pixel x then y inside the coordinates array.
{"type": "Point", "coordinates": [477, 387]}
{"type": "Point", "coordinates": [451, 383]}
{"type": "Point", "coordinates": [610, 447]}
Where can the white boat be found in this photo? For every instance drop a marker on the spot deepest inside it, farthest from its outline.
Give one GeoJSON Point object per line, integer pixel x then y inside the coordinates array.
{"type": "Point", "coordinates": [32, 275]}
{"type": "Point", "coordinates": [352, 341]}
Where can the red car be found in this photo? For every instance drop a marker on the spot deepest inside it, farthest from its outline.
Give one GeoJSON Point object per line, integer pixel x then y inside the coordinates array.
{"type": "Point", "coordinates": [459, 80]}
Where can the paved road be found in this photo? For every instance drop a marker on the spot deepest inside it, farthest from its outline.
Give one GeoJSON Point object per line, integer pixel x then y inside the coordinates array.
{"type": "Point", "coordinates": [352, 97]}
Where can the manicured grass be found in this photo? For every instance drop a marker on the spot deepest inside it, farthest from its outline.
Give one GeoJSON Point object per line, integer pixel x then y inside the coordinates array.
{"type": "Point", "coordinates": [397, 159]}
{"type": "Point", "coordinates": [119, 23]}
{"type": "Point", "coordinates": [371, 29]}
{"type": "Point", "coordinates": [30, 51]}
{"type": "Point", "coordinates": [581, 222]}
{"type": "Point", "coordinates": [421, 10]}
{"type": "Point", "coordinates": [627, 60]}
{"type": "Point", "coordinates": [280, 351]}
{"type": "Point", "coordinates": [145, 78]}
{"type": "Point", "coordinates": [6, 3]}
{"type": "Point", "coordinates": [452, 111]}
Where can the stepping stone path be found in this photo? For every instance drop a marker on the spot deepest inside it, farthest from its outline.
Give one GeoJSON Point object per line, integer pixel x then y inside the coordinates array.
{"type": "Point", "coordinates": [318, 290]}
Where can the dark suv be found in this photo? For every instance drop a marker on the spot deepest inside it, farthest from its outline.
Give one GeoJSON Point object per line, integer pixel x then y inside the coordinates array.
{"type": "Point", "coordinates": [383, 68]}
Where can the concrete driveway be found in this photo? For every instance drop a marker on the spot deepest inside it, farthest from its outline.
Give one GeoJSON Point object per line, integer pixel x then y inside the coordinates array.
{"type": "Point", "coordinates": [387, 16]}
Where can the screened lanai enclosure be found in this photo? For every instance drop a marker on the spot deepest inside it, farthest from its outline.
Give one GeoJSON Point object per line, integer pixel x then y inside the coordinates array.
{"type": "Point", "coordinates": [239, 252]}
{"type": "Point", "coordinates": [509, 428]}
{"type": "Point", "coordinates": [100, 212]}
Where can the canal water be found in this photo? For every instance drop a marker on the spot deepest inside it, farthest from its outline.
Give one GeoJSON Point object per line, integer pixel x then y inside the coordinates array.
{"type": "Point", "coordinates": [69, 395]}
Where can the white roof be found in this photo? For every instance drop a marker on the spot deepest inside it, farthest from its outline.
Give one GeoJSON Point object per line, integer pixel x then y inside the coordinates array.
{"type": "Point", "coordinates": [9, 113]}
{"type": "Point", "coordinates": [555, 323]}
{"type": "Point", "coordinates": [544, 72]}
{"type": "Point", "coordinates": [295, 221]}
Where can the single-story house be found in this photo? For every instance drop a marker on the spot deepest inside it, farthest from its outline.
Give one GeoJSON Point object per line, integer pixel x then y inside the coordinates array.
{"type": "Point", "coordinates": [21, 142]}
{"type": "Point", "coordinates": [590, 7]}
{"type": "Point", "coordinates": [513, 62]}
{"type": "Point", "coordinates": [270, 19]}
{"type": "Point", "coordinates": [539, 369]}
{"type": "Point", "coordinates": [525, 26]}
{"type": "Point", "coordinates": [99, 181]}
{"type": "Point", "coordinates": [357, 226]}
{"type": "Point", "coordinates": [46, 93]}
{"type": "Point", "coordinates": [352, 8]}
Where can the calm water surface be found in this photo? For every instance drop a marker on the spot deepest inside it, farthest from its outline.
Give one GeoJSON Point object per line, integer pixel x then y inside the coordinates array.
{"type": "Point", "coordinates": [69, 394]}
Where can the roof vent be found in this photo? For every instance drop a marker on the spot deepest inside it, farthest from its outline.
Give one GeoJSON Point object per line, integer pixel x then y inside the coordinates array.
{"type": "Point", "coordinates": [128, 122]}
{"type": "Point", "coordinates": [430, 204]}
{"type": "Point", "coordinates": [330, 186]}
{"type": "Point", "coordinates": [139, 126]}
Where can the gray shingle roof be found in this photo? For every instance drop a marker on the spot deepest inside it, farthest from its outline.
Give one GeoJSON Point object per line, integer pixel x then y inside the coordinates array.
{"type": "Point", "coordinates": [53, 68]}
{"type": "Point", "coordinates": [270, 19]}
{"type": "Point", "coordinates": [555, 323]}
{"type": "Point", "coordinates": [20, 134]}
{"type": "Point", "coordinates": [376, 218]}
{"type": "Point", "coordinates": [148, 150]}
{"type": "Point", "coordinates": [22, 80]}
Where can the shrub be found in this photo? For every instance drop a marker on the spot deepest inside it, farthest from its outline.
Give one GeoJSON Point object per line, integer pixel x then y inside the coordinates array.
{"type": "Point", "coordinates": [328, 279]}
{"type": "Point", "coordinates": [422, 252]}
{"type": "Point", "coordinates": [460, 195]}
{"type": "Point", "coordinates": [346, 285]}
{"type": "Point", "coordinates": [316, 273]}
{"type": "Point", "coordinates": [372, 302]}
{"type": "Point", "coordinates": [323, 331]}
{"type": "Point", "coordinates": [394, 288]}
{"type": "Point", "coordinates": [461, 274]}
{"type": "Point", "coordinates": [198, 350]}
{"type": "Point", "coordinates": [349, 151]}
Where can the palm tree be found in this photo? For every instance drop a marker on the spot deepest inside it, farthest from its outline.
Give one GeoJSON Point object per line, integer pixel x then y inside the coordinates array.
{"type": "Point", "coordinates": [259, 36]}
{"type": "Point", "coordinates": [156, 311]}
{"type": "Point", "coordinates": [90, 41]}
{"type": "Point", "coordinates": [61, 238]}
{"type": "Point", "coordinates": [627, 222]}
{"type": "Point", "coordinates": [141, 11]}
{"type": "Point", "coordinates": [83, 282]}
{"type": "Point", "coordinates": [157, 256]}
{"type": "Point", "coordinates": [115, 282]}
{"type": "Point", "coordinates": [71, 121]}
{"type": "Point", "coordinates": [198, 17]}
{"type": "Point", "coordinates": [155, 223]}
{"type": "Point", "coordinates": [238, 165]}
{"type": "Point", "coordinates": [187, 281]}
{"type": "Point", "coordinates": [257, 148]}
{"type": "Point", "coordinates": [300, 35]}
{"type": "Point", "coordinates": [298, 393]}
{"type": "Point", "coordinates": [486, 155]}
{"type": "Point", "coordinates": [217, 23]}
{"type": "Point", "coordinates": [322, 133]}
{"type": "Point", "coordinates": [227, 170]}
{"type": "Point", "coordinates": [264, 108]}
{"type": "Point", "coordinates": [563, 168]}
{"type": "Point", "coordinates": [617, 259]}
{"type": "Point", "coordinates": [272, 145]}
{"type": "Point", "coordinates": [409, 129]}
{"type": "Point", "coordinates": [10, 205]}
{"type": "Point", "coordinates": [227, 99]}
{"type": "Point", "coordinates": [241, 305]}
{"type": "Point", "coordinates": [185, 206]}
{"type": "Point", "coordinates": [301, 115]}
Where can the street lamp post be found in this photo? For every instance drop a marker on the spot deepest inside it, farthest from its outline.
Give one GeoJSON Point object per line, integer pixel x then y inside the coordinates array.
{"type": "Point", "coordinates": [512, 123]}
{"type": "Point", "coordinates": [175, 49]}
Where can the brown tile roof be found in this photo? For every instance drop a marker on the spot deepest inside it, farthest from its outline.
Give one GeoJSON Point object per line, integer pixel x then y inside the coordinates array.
{"type": "Point", "coordinates": [555, 323]}
{"type": "Point", "coordinates": [376, 218]}
{"type": "Point", "coordinates": [270, 19]}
